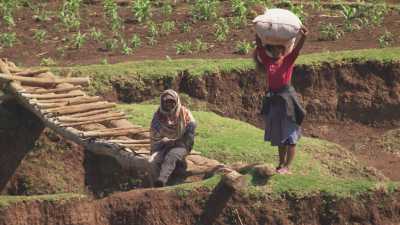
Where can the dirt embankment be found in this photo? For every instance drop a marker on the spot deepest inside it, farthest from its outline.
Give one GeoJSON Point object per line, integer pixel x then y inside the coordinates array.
{"type": "Point", "coordinates": [156, 207]}
{"type": "Point", "coordinates": [362, 92]}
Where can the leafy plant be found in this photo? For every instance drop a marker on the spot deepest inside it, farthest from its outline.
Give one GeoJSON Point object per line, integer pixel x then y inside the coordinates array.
{"type": "Point", "coordinates": [135, 42]}
{"type": "Point", "coordinates": [7, 8]}
{"type": "Point", "coordinates": [350, 14]}
{"type": "Point", "coordinates": [167, 9]}
{"type": "Point", "coordinates": [239, 8]}
{"type": "Point", "coordinates": [205, 9]}
{"type": "Point", "coordinates": [221, 29]}
{"type": "Point", "coordinates": [96, 34]}
{"type": "Point", "coordinates": [79, 40]}
{"type": "Point", "coordinates": [152, 40]}
{"type": "Point", "coordinates": [69, 14]}
{"type": "Point", "coordinates": [377, 13]}
{"type": "Point", "coordinates": [238, 21]}
{"type": "Point", "coordinates": [243, 47]}
{"type": "Point", "coordinates": [200, 46]}
{"type": "Point", "coordinates": [167, 27]}
{"type": "Point", "coordinates": [40, 35]}
{"type": "Point", "coordinates": [386, 39]}
{"type": "Point", "coordinates": [141, 10]}
{"type": "Point", "coordinates": [152, 29]}
{"type": "Point", "coordinates": [41, 15]}
{"type": "Point", "coordinates": [330, 32]}
{"type": "Point", "coordinates": [316, 4]}
{"type": "Point", "coordinates": [183, 48]}
{"type": "Point", "coordinates": [8, 39]}
{"type": "Point", "coordinates": [47, 62]}
{"type": "Point", "coordinates": [126, 50]}
{"type": "Point", "coordinates": [111, 44]}
{"type": "Point", "coordinates": [186, 27]}
{"type": "Point", "coordinates": [111, 13]}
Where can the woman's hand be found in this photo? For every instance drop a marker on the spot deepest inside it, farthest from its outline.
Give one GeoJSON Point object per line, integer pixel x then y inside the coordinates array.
{"type": "Point", "coordinates": [304, 30]}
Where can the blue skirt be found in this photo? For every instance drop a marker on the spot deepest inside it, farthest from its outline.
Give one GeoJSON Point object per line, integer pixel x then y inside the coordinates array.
{"type": "Point", "coordinates": [280, 130]}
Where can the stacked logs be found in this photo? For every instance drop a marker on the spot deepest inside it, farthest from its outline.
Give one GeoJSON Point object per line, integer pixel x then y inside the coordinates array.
{"type": "Point", "coordinates": [63, 106]}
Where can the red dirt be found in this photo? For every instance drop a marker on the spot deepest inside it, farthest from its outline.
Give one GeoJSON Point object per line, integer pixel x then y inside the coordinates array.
{"type": "Point", "coordinates": [29, 52]}
{"type": "Point", "coordinates": [159, 207]}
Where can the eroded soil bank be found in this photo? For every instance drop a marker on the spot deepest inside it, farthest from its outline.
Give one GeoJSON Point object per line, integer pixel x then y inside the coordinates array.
{"type": "Point", "coordinates": [156, 207]}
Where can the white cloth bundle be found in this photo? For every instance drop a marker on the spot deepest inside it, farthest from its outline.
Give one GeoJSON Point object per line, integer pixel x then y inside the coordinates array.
{"type": "Point", "coordinates": [278, 27]}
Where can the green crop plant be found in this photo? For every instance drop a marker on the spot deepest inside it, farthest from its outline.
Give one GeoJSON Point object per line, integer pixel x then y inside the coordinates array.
{"type": "Point", "coordinates": [167, 27]}
{"type": "Point", "coordinates": [316, 5]}
{"type": "Point", "coordinates": [221, 29]}
{"type": "Point", "coordinates": [350, 14]}
{"type": "Point", "coordinates": [111, 44]}
{"type": "Point", "coordinates": [69, 14]}
{"type": "Point", "coordinates": [238, 22]}
{"type": "Point", "coordinates": [243, 47]}
{"type": "Point", "coordinates": [205, 9]}
{"type": "Point", "coordinates": [152, 29]}
{"type": "Point", "coordinates": [40, 35]}
{"type": "Point", "coordinates": [152, 40]}
{"type": "Point", "coordinates": [8, 39]}
{"type": "Point", "coordinates": [111, 13]}
{"type": "Point", "coordinates": [41, 15]}
{"type": "Point", "coordinates": [183, 48]}
{"type": "Point", "coordinates": [386, 40]}
{"type": "Point", "coordinates": [239, 8]}
{"type": "Point", "coordinates": [96, 34]}
{"type": "Point", "coordinates": [377, 13]}
{"type": "Point", "coordinates": [185, 27]}
{"type": "Point", "coordinates": [126, 50]}
{"type": "Point", "coordinates": [7, 8]}
{"type": "Point", "coordinates": [330, 32]}
{"type": "Point", "coordinates": [200, 45]}
{"type": "Point", "coordinates": [135, 41]}
{"type": "Point", "coordinates": [79, 40]}
{"type": "Point", "coordinates": [141, 10]}
{"type": "Point", "coordinates": [167, 9]}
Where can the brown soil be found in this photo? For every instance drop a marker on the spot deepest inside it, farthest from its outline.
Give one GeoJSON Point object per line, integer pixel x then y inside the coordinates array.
{"type": "Point", "coordinates": [158, 207]}
{"type": "Point", "coordinates": [28, 51]}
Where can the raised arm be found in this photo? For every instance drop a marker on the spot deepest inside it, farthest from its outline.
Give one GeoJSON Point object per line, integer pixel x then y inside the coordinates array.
{"type": "Point", "coordinates": [304, 32]}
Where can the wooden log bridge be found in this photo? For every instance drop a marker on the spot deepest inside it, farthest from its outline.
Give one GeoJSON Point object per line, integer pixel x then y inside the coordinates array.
{"type": "Point", "coordinates": [63, 106]}
{"type": "Point", "coordinates": [89, 121]}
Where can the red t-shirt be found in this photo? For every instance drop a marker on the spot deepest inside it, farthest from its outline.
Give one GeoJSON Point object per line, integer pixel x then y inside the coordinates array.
{"type": "Point", "coordinates": [278, 74]}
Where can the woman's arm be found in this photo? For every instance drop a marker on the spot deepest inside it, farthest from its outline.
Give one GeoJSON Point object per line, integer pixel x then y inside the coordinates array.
{"type": "Point", "coordinates": [304, 32]}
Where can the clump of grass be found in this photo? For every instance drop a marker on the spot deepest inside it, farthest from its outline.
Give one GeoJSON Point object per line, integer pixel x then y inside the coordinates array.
{"type": "Point", "coordinates": [40, 35]}
{"type": "Point", "coordinates": [205, 9]}
{"type": "Point", "coordinates": [69, 14]}
{"type": "Point", "coordinates": [141, 10]}
{"type": "Point", "coordinates": [330, 32]}
{"type": "Point", "coordinates": [183, 48]}
{"type": "Point", "coordinates": [386, 39]}
{"type": "Point", "coordinates": [221, 29]}
{"type": "Point", "coordinates": [48, 62]}
{"type": "Point", "coordinates": [243, 47]}
{"type": "Point", "coordinates": [8, 39]}
{"type": "Point", "coordinates": [111, 15]}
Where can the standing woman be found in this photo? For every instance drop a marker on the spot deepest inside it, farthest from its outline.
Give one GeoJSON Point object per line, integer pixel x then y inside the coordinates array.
{"type": "Point", "coordinates": [172, 135]}
{"type": "Point", "coordinates": [281, 109]}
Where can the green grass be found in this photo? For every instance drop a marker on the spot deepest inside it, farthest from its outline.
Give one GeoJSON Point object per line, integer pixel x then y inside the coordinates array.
{"type": "Point", "coordinates": [198, 67]}
{"type": "Point", "coordinates": [6, 200]}
{"type": "Point", "coordinates": [319, 166]}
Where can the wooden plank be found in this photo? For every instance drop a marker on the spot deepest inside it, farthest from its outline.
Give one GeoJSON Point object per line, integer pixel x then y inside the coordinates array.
{"type": "Point", "coordinates": [67, 119]}
{"type": "Point", "coordinates": [54, 90]}
{"type": "Point", "coordinates": [52, 96]}
{"type": "Point", "coordinates": [114, 133]}
{"type": "Point", "coordinates": [7, 77]}
{"type": "Point", "coordinates": [73, 101]}
{"type": "Point", "coordinates": [64, 110]}
{"type": "Point", "coordinates": [146, 141]}
{"type": "Point", "coordinates": [90, 113]}
{"type": "Point", "coordinates": [91, 122]}
{"type": "Point", "coordinates": [31, 73]}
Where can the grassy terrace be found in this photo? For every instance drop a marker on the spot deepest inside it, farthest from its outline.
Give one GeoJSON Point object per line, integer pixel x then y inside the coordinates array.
{"type": "Point", "coordinates": [8, 200]}
{"type": "Point", "coordinates": [320, 166]}
{"type": "Point", "coordinates": [197, 67]}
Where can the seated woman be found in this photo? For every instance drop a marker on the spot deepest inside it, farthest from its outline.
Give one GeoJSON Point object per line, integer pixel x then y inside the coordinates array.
{"type": "Point", "coordinates": [172, 135]}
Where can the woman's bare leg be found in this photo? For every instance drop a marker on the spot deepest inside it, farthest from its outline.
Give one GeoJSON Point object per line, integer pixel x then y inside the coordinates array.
{"type": "Point", "coordinates": [282, 155]}
{"type": "Point", "coordinates": [291, 151]}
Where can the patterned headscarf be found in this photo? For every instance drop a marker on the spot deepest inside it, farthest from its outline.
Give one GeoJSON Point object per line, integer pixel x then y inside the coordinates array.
{"type": "Point", "coordinates": [171, 124]}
